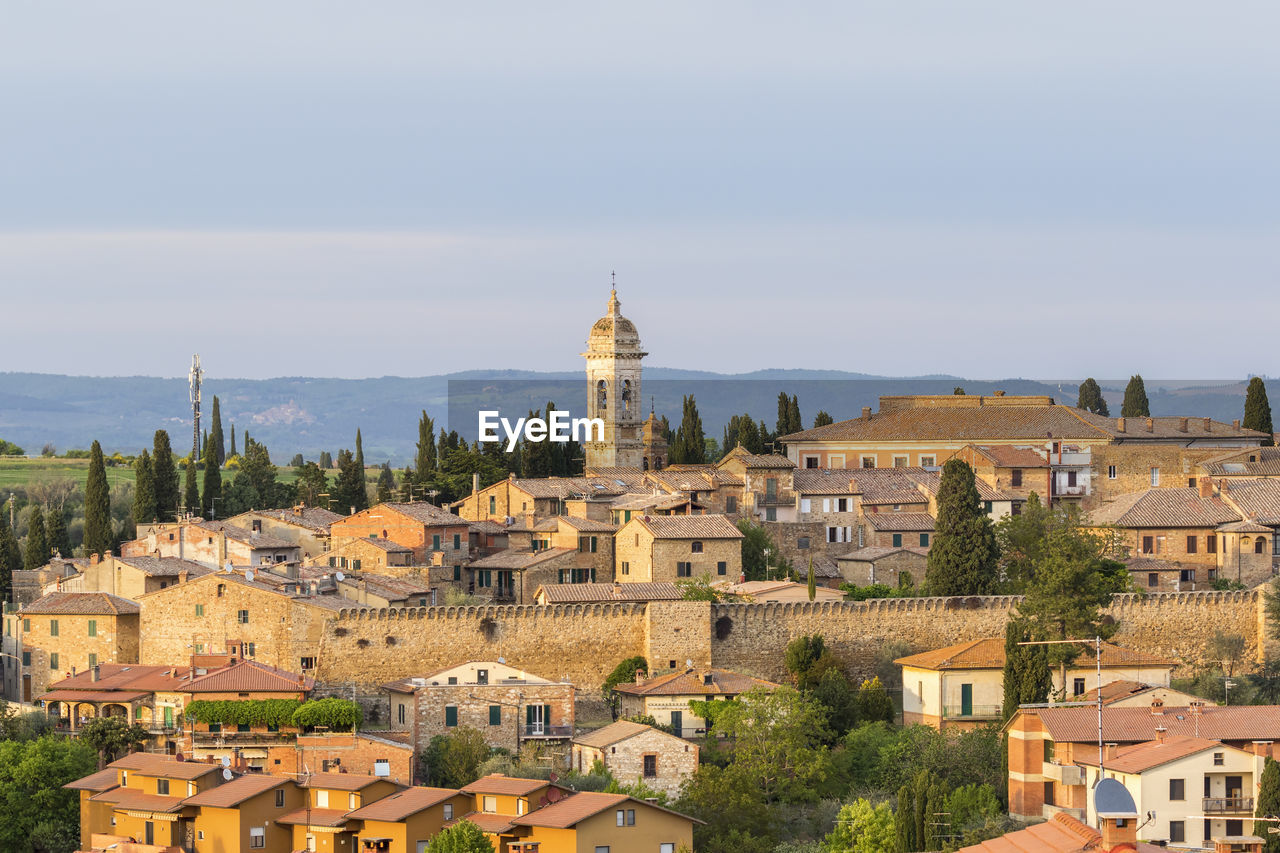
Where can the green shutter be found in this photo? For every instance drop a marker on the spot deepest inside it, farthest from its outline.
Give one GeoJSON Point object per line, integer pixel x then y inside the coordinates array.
{"type": "Point", "coordinates": [495, 715]}
{"type": "Point", "coordinates": [897, 540]}
{"type": "Point", "coordinates": [528, 715]}
{"type": "Point", "coordinates": [546, 717]}
{"type": "Point", "coordinates": [93, 627]}
{"type": "Point", "coordinates": [435, 542]}
{"type": "Point", "coordinates": [450, 716]}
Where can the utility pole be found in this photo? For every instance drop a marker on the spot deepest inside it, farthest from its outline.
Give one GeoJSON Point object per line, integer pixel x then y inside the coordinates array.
{"type": "Point", "coordinates": [194, 378]}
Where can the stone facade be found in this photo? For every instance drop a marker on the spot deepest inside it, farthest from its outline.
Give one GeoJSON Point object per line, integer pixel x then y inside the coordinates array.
{"type": "Point", "coordinates": [1121, 469]}
{"type": "Point", "coordinates": [500, 712]}
{"type": "Point", "coordinates": [641, 556]}
{"type": "Point", "coordinates": [53, 646]}
{"type": "Point", "coordinates": [613, 391]}
{"type": "Point", "coordinates": [659, 760]}
{"type": "Point", "coordinates": [434, 536]}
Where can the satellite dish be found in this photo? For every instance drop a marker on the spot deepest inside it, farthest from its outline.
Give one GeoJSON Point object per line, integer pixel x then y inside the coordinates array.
{"type": "Point", "coordinates": [1112, 799]}
{"type": "Point", "coordinates": [226, 762]}
{"type": "Point", "coordinates": [248, 574]}
{"type": "Point", "coordinates": [226, 773]}
{"type": "Point", "coordinates": [688, 662]}
{"type": "Point", "coordinates": [502, 660]}
{"type": "Point", "coordinates": [228, 567]}
{"type": "Point", "coordinates": [340, 577]}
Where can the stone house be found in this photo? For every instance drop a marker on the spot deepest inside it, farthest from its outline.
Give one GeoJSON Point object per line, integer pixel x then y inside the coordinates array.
{"type": "Point", "coordinates": [586, 593]}
{"type": "Point", "coordinates": [64, 632]}
{"type": "Point", "coordinates": [130, 577]}
{"type": "Point", "coordinates": [371, 553]}
{"type": "Point", "coordinates": [1015, 470]}
{"type": "Point", "coordinates": [373, 590]}
{"type": "Point", "coordinates": [666, 698]}
{"type": "Point", "coordinates": [677, 547]}
{"type": "Point", "coordinates": [304, 526]}
{"type": "Point", "coordinates": [528, 500]}
{"type": "Point", "coordinates": [211, 543]}
{"type": "Point", "coordinates": [147, 695]}
{"type": "Point", "coordinates": [507, 705]}
{"type": "Point", "coordinates": [897, 529]}
{"type": "Point", "coordinates": [886, 565]}
{"type": "Point", "coordinates": [783, 591]}
{"type": "Point", "coordinates": [513, 575]}
{"type": "Point", "coordinates": [635, 752]}
{"type": "Point", "coordinates": [767, 491]}
{"type": "Point", "coordinates": [1257, 501]}
{"type": "Point", "coordinates": [434, 535]}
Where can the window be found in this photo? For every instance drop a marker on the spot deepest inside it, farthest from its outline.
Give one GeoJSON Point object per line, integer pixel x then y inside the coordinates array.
{"type": "Point", "coordinates": [1077, 687]}
{"type": "Point", "coordinates": [802, 543]}
{"type": "Point", "coordinates": [1048, 794]}
{"type": "Point", "coordinates": [771, 513]}
{"type": "Point", "coordinates": [684, 570]}
{"type": "Point", "coordinates": [489, 804]}
{"type": "Point", "coordinates": [1259, 545]}
{"type": "Point", "coordinates": [1016, 477]}
{"type": "Point", "coordinates": [626, 568]}
{"type": "Point", "coordinates": [899, 462]}
{"type": "Point", "coordinates": [1072, 479]}
{"type": "Point", "coordinates": [1191, 544]}
{"type": "Point", "coordinates": [322, 799]}
{"type": "Point", "coordinates": [308, 663]}
{"type": "Point", "coordinates": [1187, 576]}
{"type": "Point", "coordinates": [1111, 472]}
{"type": "Point", "coordinates": [93, 627]}
{"type": "Point", "coordinates": [457, 573]}
{"type": "Point", "coordinates": [650, 765]}
{"type": "Point", "coordinates": [53, 627]}
{"type": "Point", "coordinates": [1148, 544]}
{"type": "Point", "coordinates": [451, 718]}
{"type": "Point", "coordinates": [695, 547]}
{"type": "Point", "coordinates": [400, 713]}
{"type": "Point", "coordinates": [1155, 477]}
{"type": "Point", "coordinates": [333, 562]}
{"type": "Point", "coordinates": [625, 817]}
{"type": "Point", "coordinates": [199, 609]}
{"type": "Point", "coordinates": [1177, 831]}
{"type": "Point", "coordinates": [222, 590]}
{"type": "Point", "coordinates": [1191, 482]}
{"type": "Point", "coordinates": [26, 658]}
{"type": "Point", "coordinates": [897, 540]}
{"type": "Point", "coordinates": [26, 625]}
{"type": "Point", "coordinates": [53, 661]}
{"type": "Point", "coordinates": [667, 847]}
{"type": "Point", "coordinates": [631, 817]}
{"type": "Point", "coordinates": [493, 504]}
{"type": "Point", "coordinates": [355, 564]}
{"type": "Point", "coordinates": [868, 462]}
{"type": "Point", "coordinates": [806, 505]}
{"type": "Point", "coordinates": [1218, 759]}
{"type": "Point", "coordinates": [730, 504]}
{"type": "Point", "coordinates": [435, 542]}
{"type": "Point", "coordinates": [928, 461]}
{"type": "Point", "coordinates": [826, 504]}
{"type": "Point", "coordinates": [1153, 579]}
{"type": "Point", "coordinates": [280, 798]}
{"type": "Point", "coordinates": [842, 504]}
{"type": "Point", "coordinates": [811, 462]}
{"type": "Point", "coordinates": [1177, 789]}
{"type": "Point", "coordinates": [1211, 543]}
{"type": "Point", "coordinates": [1048, 750]}
{"type": "Point", "coordinates": [257, 837]}
{"type": "Point", "coordinates": [448, 811]}
{"type": "Point", "coordinates": [495, 715]}
{"type": "Point", "coordinates": [162, 786]}
{"type": "Point", "coordinates": [93, 660]}
{"type": "Point", "coordinates": [243, 617]}
{"type": "Point", "coordinates": [602, 848]}
{"type": "Point", "coordinates": [924, 540]}
{"type": "Point", "coordinates": [722, 568]}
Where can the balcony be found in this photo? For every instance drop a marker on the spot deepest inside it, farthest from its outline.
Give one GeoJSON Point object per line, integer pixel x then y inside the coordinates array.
{"type": "Point", "coordinates": [1228, 805]}
{"type": "Point", "coordinates": [971, 712]}
{"type": "Point", "coordinates": [782, 498]}
{"type": "Point", "coordinates": [541, 731]}
{"type": "Point", "coordinates": [1069, 491]}
{"type": "Point", "coordinates": [205, 739]}
{"type": "Point", "coordinates": [1063, 774]}
{"type": "Point", "coordinates": [1069, 459]}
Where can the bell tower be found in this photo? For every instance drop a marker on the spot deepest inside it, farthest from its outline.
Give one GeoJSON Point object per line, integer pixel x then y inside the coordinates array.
{"type": "Point", "coordinates": [613, 390]}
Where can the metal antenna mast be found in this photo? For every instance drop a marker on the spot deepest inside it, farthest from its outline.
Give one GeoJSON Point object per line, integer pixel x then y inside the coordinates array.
{"type": "Point", "coordinates": [195, 376]}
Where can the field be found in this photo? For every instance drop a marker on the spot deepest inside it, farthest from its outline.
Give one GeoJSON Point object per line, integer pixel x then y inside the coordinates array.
{"type": "Point", "coordinates": [18, 471]}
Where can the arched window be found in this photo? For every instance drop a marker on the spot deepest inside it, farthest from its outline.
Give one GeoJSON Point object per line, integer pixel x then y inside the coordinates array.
{"type": "Point", "coordinates": [626, 396]}
{"type": "Point", "coordinates": [1259, 544]}
{"type": "Point", "coordinates": [602, 395]}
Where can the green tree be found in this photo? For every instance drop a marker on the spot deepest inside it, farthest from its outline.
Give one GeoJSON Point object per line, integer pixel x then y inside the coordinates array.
{"type": "Point", "coordinates": [737, 817]}
{"type": "Point", "coordinates": [807, 658]}
{"type": "Point", "coordinates": [1268, 804]}
{"type": "Point", "coordinates": [111, 736]}
{"type": "Point", "coordinates": [165, 473]}
{"type": "Point", "coordinates": [1021, 540]}
{"type": "Point", "coordinates": [1257, 410]}
{"type": "Point", "coordinates": [462, 837]}
{"type": "Point", "coordinates": [690, 446]}
{"type": "Point", "coordinates": [963, 559]}
{"type": "Point", "coordinates": [813, 581]}
{"type": "Point", "coordinates": [256, 464]}
{"type": "Point", "coordinates": [34, 803]}
{"type": "Point", "coordinates": [1265, 683]}
{"type": "Point", "coordinates": [231, 451]}
{"type": "Point", "coordinates": [623, 673]}
{"type": "Point", "coordinates": [822, 419]}
{"type": "Point", "coordinates": [971, 806]}
{"type": "Point", "coordinates": [311, 483]}
{"type": "Point", "coordinates": [453, 760]}
{"type": "Point", "coordinates": [386, 483]}
{"type": "Point", "coordinates": [56, 531]}
{"type": "Point", "coordinates": [777, 737]}
{"type": "Point", "coordinates": [958, 391]}
{"type": "Point", "coordinates": [1226, 649]}
{"type": "Point", "coordinates": [36, 553]}
{"type": "Point", "coordinates": [191, 489]}
{"type": "Point", "coordinates": [426, 462]}
{"type": "Point", "coordinates": [759, 551]}
{"type": "Point", "coordinates": [215, 435]}
{"type": "Point", "coordinates": [97, 505]}
{"type": "Point", "coordinates": [863, 828]}
{"type": "Point", "coordinates": [1026, 669]}
{"type": "Point", "coordinates": [144, 489]}
{"type": "Point", "coordinates": [1135, 403]}
{"type": "Point", "coordinates": [699, 588]}
{"type": "Point", "coordinates": [873, 703]}
{"type": "Point", "coordinates": [361, 494]}
{"type": "Point", "coordinates": [349, 485]}
{"type": "Point", "coordinates": [1091, 399]}
{"type": "Point", "coordinates": [10, 556]}
{"type": "Point", "coordinates": [212, 481]}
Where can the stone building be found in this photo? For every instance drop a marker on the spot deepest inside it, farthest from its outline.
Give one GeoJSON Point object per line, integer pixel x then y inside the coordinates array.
{"type": "Point", "coordinates": [305, 526]}
{"type": "Point", "coordinates": [666, 698]}
{"type": "Point", "coordinates": [434, 535]}
{"type": "Point", "coordinates": [678, 547]}
{"type": "Point", "coordinates": [507, 705]}
{"type": "Point", "coordinates": [613, 392]}
{"type": "Point", "coordinates": [130, 577]}
{"type": "Point", "coordinates": [635, 752]}
{"type": "Point", "coordinates": [370, 553]}
{"type": "Point", "coordinates": [211, 543]}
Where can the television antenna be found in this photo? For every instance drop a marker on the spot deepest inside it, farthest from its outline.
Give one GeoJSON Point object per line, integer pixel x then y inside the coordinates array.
{"type": "Point", "coordinates": [194, 378]}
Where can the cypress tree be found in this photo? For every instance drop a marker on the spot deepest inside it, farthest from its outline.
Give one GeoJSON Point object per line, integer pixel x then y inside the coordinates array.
{"type": "Point", "coordinates": [232, 450]}
{"type": "Point", "coordinates": [690, 445]}
{"type": "Point", "coordinates": [1257, 410]}
{"type": "Point", "coordinates": [326, 460]}
{"type": "Point", "coordinates": [1090, 398]}
{"type": "Point", "coordinates": [215, 434]}
{"type": "Point", "coordinates": [191, 492]}
{"type": "Point", "coordinates": [425, 462]}
{"type": "Point", "coordinates": [212, 481]}
{"type": "Point", "coordinates": [822, 419]}
{"type": "Point", "coordinates": [97, 505]}
{"type": "Point", "coordinates": [36, 553]}
{"type": "Point", "coordinates": [1135, 399]}
{"type": "Point", "coordinates": [904, 823]}
{"type": "Point", "coordinates": [794, 422]}
{"type": "Point", "coordinates": [10, 557]}
{"type": "Point", "coordinates": [165, 477]}
{"type": "Point", "coordinates": [1268, 803]}
{"type": "Point", "coordinates": [1026, 669]}
{"type": "Point", "coordinates": [813, 581]}
{"type": "Point", "coordinates": [144, 490]}
{"type": "Point", "coordinates": [56, 532]}
{"type": "Point", "coordinates": [963, 558]}
{"type": "Point", "coordinates": [361, 494]}
{"type": "Point", "coordinates": [349, 484]}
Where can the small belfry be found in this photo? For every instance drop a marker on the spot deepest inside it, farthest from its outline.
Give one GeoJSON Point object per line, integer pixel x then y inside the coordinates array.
{"type": "Point", "coordinates": [613, 390]}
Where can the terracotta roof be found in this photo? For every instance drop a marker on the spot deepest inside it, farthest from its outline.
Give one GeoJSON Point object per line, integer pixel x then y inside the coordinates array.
{"type": "Point", "coordinates": [233, 793]}
{"type": "Point", "coordinates": [340, 781]}
{"type": "Point", "coordinates": [616, 733]}
{"type": "Point", "coordinates": [587, 525]}
{"type": "Point", "coordinates": [650, 501]}
{"type": "Point", "coordinates": [872, 553]}
{"type": "Point", "coordinates": [753, 460]}
{"type": "Point", "coordinates": [248, 676]}
{"type": "Point", "coordinates": [165, 567]}
{"type": "Point", "coordinates": [1258, 500]}
{"type": "Point", "coordinates": [824, 481]}
{"type": "Point", "coordinates": [379, 543]}
{"type": "Point", "coordinates": [1244, 527]}
{"type": "Point", "coordinates": [690, 527]}
{"type": "Point", "coordinates": [889, 485]}
{"type": "Point", "coordinates": [692, 682]}
{"type": "Point", "coordinates": [824, 566]}
{"type": "Point", "coordinates": [571, 810]}
{"type": "Point", "coordinates": [930, 481]}
{"type": "Point", "coordinates": [387, 586]}
{"type": "Point", "coordinates": [1266, 463]}
{"type": "Point", "coordinates": [1007, 456]}
{"type": "Point", "coordinates": [1060, 834]}
{"type": "Point", "coordinates": [400, 805]}
{"type": "Point", "coordinates": [1079, 724]}
{"type": "Point", "coordinates": [494, 824]}
{"type": "Point", "coordinates": [312, 517]}
{"type": "Point", "coordinates": [520, 558]}
{"type": "Point", "coordinates": [314, 817]}
{"type": "Point", "coordinates": [248, 537]}
{"type": "Point", "coordinates": [489, 527]}
{"type": "Point", "coordinates": [627, 475]}
{"type": "Point", "coordinates": [570, 487]}
{"type": "Point", "coordinates": [572, 593]}
{"type": "Point", "coordinates": [1142, 757]}
{"type": "Point", "coordinates": [989, 654]}
{"type": "Point", "coordinates": [135, 800]}
{"type": "Point", "coordinates": [81, 603]}
{"type": "Point", "coordinates": [91, 696]}
{"type": "Point", "coordinates": [1151, 564]}
{"type": "Point", "coordinates": [899, 521]}
{"type": "Point", "coordinates": [1155, 508]}
{"type": "Point", "coordinates": [424, 512]}
{"type": "Point", "coordinates": [163, 766]}
{"type": "Point", "coordinates": [774, 590]}
{"type": "Point", "coordinates": [496, 783]}
{"type": "Point", "coordinates": [103, 780]}
{"type": "Point", "coordinates": [124, 677]}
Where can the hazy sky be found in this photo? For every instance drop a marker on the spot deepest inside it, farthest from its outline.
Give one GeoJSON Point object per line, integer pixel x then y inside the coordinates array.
{"type": "Point", "coordinates": [356, 189]}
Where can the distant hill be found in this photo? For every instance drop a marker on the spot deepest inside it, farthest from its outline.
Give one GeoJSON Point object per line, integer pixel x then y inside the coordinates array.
{"type": "Point", "coordinates": [306, 415]}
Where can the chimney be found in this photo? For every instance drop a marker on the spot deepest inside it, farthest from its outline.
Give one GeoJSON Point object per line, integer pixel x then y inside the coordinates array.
{"type": "Point", "coordinates": [1197, 707]}
{"type": "Point", "coordinates": [1206, 487]}
{"type": "Point", "coordinates": [1119, 831]}
{"type": "Point", "coordinates": [1157, 707]}
{"type": "Point", "coordinates": [1119, 424]}
{"type": "Point", "coordinates": [866, 413]}
{"type": "Point", "coordinates": [1151, 424]}
{"type": "Point", "coordinates": [1235, 425]}
{"type": "Point", "coordinates": [1262, 748]}
{"type": "Point", "coordinates": [97, 673]}
{"type": "Point", "coordinates": [1160, 731]}
{"type": "Point", "coordinates": [94, 559]}
{"type": "Point", "coordinates": [183, 575]}
{"type": "Point", "coordinates": [1110, 752]}
{"type": "Point", "coordinates": [475, 482]}
{"type": "Point", "coordinates": [1182, 425]}
{"type": "Point", "coordinates": [1208, 424]}
{"type": "Point", "coordinates": [641, 676]}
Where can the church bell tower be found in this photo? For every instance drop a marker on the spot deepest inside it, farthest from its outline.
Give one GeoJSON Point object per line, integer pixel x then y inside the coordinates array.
{"type": "Point", "coordinates": [613, 390]}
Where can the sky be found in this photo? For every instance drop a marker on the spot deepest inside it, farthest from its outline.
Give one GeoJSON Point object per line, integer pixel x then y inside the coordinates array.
{"type": "Point", "coordinates": [986, 189]}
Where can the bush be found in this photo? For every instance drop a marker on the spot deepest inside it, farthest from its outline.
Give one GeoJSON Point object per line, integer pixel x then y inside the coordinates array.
{"type": "Point", "coordinates": [243, 712]}
{"type": "Point", "coordinates": [337, 715]}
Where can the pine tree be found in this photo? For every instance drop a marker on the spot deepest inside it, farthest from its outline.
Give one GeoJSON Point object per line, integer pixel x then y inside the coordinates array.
{"type": "Point", "coordinates": [36, 554]}
{"type": "Point", "coordinates": [962, 560]}
{"type": "Point", "coordinates": [1268, 803]}
{"type": "Point", "coordinates": [1257, 410]}
{"type": "Point", "coordinates": [165, 478]}
{"type": "Point", "coordinates": [1135, 399]}
{"type": "Point", "coordinates": [1026, 669]}
{"type": "Point", "coordinates": [97, 505]}
{"type": "Point", "coordinates": [215, 434]}
{"type": "Point", "coordinates": [191, 490]}
{"type": "Point", "coordinates": [1090, 398]}
{"type": "Point", "coordinates": [55, 523]}
{"type": "Point", "coordinates": [212, 481]}
{"type": "Point", "coordinates": [386, 483]}
{"type": "Point", "coordinates": [144, 489]}
{"type": "Point", "coordinates": [690, 446]}
{"type": "Point", "coordinates": [231, 451]}
{"type": "Point", "coordinates": [426, 461]}
{"type": "Point", "coordinates": [349, 485]}
{"type": "Point", "coordinates": [822, 419]}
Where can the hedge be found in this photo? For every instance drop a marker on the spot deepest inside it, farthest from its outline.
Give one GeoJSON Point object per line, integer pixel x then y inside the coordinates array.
{"type": "Point", "coordinates": [339, 715]}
